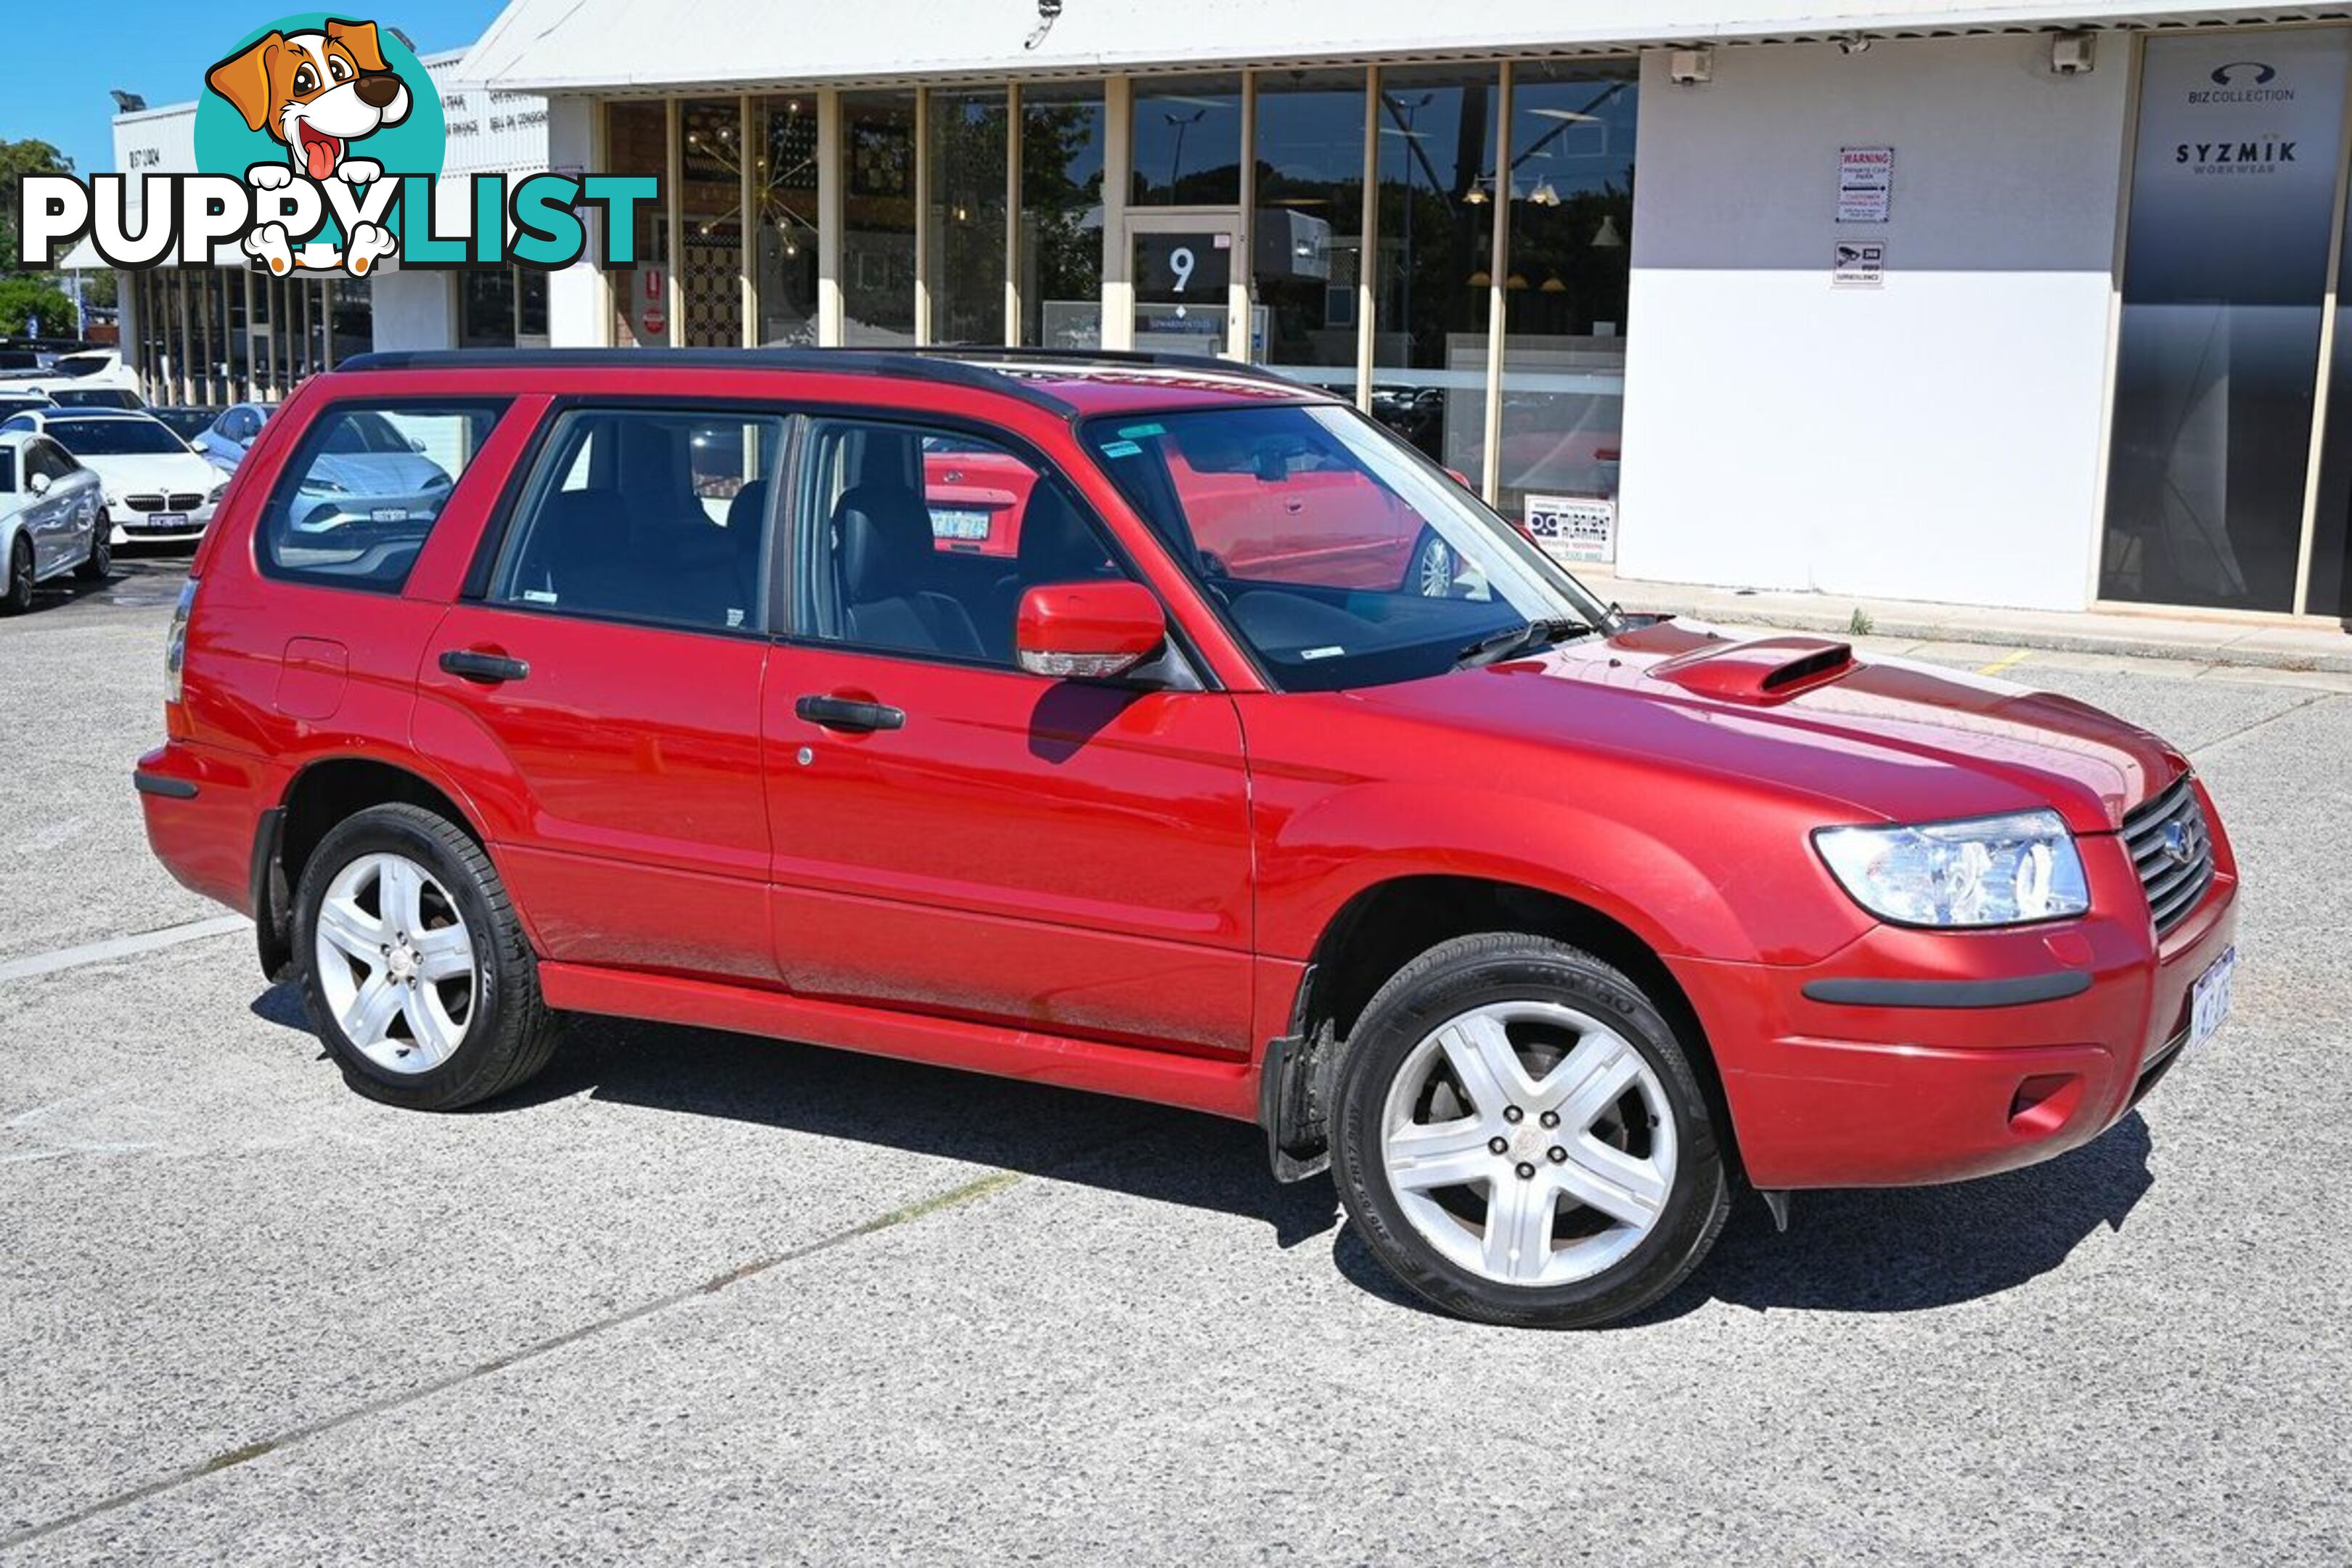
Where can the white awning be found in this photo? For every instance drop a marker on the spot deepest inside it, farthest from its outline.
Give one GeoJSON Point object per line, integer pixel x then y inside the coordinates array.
{"type": "Point", "coordinates": [585, 46]}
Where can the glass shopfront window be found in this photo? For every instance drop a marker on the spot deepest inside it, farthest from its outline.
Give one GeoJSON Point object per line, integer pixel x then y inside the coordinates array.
{"type": "Point", "coordinates": [1188, 142]}
{"type": "Point", "coordinates": [1434, 265]}
{"type": "Point", "coordinates": [497, 308]}
{"type": "Point", "coordinates": [2217, 364]}
{"type": "Point", "coordinates": [784, 221]}
{"type": "Point", "coordinates": [1309, 250]}
{"type": "Point", "coordinates": [636, 138]}
{"type": "Point", "coordinates": [967, 228]}
{"type": "Point", "coordinates": [1570, 187]}
{"type": "Point", "coordinates": [877, 241]}
{"type": "Point", "coordinates": [1061, 239]}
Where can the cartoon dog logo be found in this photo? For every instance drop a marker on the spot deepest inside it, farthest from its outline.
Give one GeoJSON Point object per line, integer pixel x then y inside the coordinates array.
{"type": "Point", "coordinates": [317, 93]}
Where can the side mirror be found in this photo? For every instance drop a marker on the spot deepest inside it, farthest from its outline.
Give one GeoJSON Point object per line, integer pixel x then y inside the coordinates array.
{"type": "Point", "coordinates": [1087, 631]}
{"type": "Point", "coordinates": [38, 484]}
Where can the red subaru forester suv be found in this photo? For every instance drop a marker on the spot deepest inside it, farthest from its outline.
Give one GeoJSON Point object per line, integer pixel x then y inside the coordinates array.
{"type": "Point", "coordinates": [664, 684]}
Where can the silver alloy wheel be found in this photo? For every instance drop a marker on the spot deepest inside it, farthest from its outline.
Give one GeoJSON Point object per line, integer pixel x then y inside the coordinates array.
{"type": "Point", "coordinates": [1529, 1142]}
{"type": "Point", "coordinates": [1433, 569]}
{"type": "Point", "coordinates": [396, 963]}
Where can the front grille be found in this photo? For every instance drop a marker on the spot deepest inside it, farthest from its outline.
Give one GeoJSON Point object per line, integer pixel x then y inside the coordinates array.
{"type": "Point", "coordinates": [178, 501]}
{"type": "Point", "coordinates": [2172, 849]}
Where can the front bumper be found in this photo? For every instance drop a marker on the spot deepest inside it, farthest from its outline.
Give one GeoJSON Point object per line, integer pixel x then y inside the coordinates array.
{"type": "Point", "coordinates": [131, 526]}
{"type": "Point", "coordinates": [1918, 1056]}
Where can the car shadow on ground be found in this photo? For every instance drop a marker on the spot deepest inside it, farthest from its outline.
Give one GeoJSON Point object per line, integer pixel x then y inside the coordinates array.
{"type": "Point", "coordinates": [1896, 1250]}
{"type": "Point", "coordinates": [145, 581]}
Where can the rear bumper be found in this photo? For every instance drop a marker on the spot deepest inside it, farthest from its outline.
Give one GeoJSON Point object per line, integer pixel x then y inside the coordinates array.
{"type": "Point", "coordinates": [203, 806]}
{"type": "Point", "coordinates": [1907, 1059]}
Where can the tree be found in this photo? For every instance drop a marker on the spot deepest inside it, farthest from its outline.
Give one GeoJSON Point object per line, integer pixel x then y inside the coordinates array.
{"type": "Point", "coordinates": [27, 298]}
{"type": "Point", "coordinates": [30, 156]}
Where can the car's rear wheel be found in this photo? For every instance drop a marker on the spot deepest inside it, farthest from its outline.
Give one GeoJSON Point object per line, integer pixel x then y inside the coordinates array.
{"type": "Point", "coordinates": [416, 972]}
{"type": "Point", "coordinates": [1435, 567]}
{"type": "Point", "coordinates": [17, 597]}
{"type": "Point", "coordinates": [100, 559]}
{"type": "Point", "coordinates": [1521, 1137]}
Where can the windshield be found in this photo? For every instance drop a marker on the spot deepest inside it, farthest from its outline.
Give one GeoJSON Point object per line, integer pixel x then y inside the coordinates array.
{"type": "Point", "coordinates": [1339, 556]}
{"type": "Point", "coordinates": [114, 437]}
{"type": "Point", "coordinates": [95, 397]}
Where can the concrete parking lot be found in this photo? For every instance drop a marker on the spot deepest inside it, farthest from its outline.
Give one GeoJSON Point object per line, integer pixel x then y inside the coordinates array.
{"type": "Point", "coordinates": [698, 1296]}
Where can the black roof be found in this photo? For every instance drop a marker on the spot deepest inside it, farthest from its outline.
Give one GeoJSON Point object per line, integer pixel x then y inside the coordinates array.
{"type": "Point", "coordinates": [1008, 371]}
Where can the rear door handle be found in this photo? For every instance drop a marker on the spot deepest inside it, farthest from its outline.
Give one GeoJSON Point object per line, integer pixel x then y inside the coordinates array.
{"type": "Point", "coordinates": [488, 668]}
{"type": "Point", "coordinates": [848, 714]}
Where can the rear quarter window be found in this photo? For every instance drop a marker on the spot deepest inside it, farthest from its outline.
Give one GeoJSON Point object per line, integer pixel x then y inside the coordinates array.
{"type": "Point", "coordinates": [366, 484]}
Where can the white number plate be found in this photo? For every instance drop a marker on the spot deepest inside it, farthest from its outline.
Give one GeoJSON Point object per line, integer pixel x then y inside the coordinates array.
{"type": "Point", "coordinates": [165, 519]}
{"type": "Point", "coordinates": [2208, 1003]}
{"type": "Point", "coordinates": [954, 522]}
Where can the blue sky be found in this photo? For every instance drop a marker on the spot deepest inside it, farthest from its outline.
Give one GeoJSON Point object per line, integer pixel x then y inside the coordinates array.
{"type": "Point", "coordinates": [160, 50]}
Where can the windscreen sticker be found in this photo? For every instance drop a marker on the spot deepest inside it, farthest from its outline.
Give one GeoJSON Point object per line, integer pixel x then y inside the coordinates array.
{"type": "Point", "coordinates": [1321, 652]}
{"type": "Point", "coordinates": [1121, 450]}
{"type": "Point", "coordinates": [1138, 432]}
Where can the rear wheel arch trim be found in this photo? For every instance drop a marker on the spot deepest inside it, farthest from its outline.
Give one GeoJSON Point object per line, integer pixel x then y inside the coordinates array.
{"type": "Point", "coordinates": [274, 878]}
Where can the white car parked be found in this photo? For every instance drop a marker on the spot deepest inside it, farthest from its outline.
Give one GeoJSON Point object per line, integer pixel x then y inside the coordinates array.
{"type": "Point", "coordinates": [157, 488]}
{"type": "Point", "coordinates": [51, 518]}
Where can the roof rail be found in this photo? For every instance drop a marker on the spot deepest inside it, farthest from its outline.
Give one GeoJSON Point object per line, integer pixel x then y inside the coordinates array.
{"type": "Point", "coordinates": [832, 361]}
{"type": "Point", "coordinates": [1081, 359]}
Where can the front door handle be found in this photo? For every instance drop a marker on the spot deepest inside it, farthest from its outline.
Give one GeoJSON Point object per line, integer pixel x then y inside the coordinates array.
{"type": "Point", "coordinates": [848, 714]}
{"type": "Point", "coordinates": [487, 669]}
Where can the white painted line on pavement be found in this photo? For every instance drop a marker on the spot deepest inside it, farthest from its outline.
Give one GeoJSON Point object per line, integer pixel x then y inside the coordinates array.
{"type": "Point", "coordinates": [120, 947]}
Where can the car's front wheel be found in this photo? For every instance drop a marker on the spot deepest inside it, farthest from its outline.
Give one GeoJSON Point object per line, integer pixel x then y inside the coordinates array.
{"type": "Point", "coordinates": [1521, 1137]}
{"type": "Point", "coordinates": [417, 974]}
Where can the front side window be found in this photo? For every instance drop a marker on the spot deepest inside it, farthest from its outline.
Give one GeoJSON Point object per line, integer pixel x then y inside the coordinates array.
{"type": "Point", "coordinates": [1339, 557]}
{"type": "Point", "coordinates": [7, 472]}
{"type": "Point", "coordinates": [923, 541]}
{"type": "Point", "coordinates": [644, 514]}
{"type": "Point", "coordinates": [48, 457]}
{"type": "Point", "coordinates": [362, 493]}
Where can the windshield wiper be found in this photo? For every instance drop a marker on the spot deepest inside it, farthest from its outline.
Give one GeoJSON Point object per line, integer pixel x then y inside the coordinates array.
{"type": "Point", "coordinates": [1512, 641]}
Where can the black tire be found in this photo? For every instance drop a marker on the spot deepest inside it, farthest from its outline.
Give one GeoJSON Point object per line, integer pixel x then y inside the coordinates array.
{"type": "Point", "coordinates": [100, 560]}
{"type": "Point", "coordinates": [1478, 971]}
{"type": "Point", "coordinates": [1432, 571]}
{"type": "Point", "coordinates": [511, 1033]}
{"type": "Point", "coordinates": [16, 598]}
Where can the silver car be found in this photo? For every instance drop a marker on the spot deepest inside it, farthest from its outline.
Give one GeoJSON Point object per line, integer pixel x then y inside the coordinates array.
{"type": "Point", "coordinates": [52, 518]}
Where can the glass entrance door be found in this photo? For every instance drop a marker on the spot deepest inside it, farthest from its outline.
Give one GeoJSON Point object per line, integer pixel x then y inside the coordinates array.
{"type": "Point", "coordinates": [1189, 291]}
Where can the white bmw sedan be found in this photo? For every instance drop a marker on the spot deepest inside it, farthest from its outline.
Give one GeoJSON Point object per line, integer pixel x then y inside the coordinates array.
{"type": "Point", "coordinates": [157, 488]}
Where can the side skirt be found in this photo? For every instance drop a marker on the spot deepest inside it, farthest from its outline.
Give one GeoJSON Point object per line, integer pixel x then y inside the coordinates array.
{"type": "Point", "coordinates": [1219, 1087]}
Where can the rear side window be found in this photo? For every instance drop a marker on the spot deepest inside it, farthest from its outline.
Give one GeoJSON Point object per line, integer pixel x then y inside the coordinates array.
{"type": "Point", "coordinates": [657, 515]}
{"type": "Point", "coordinates": [359, 498]}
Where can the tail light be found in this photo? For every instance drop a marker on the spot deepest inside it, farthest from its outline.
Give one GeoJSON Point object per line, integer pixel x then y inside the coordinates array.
{"type": "Point", "coordinates": [175, 643]}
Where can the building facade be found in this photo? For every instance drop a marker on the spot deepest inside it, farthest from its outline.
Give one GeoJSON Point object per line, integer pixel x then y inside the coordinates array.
{"type": "Point", "coordinates": [2024, 305]}
{"type": "Point", "coordinates": [231, 332]}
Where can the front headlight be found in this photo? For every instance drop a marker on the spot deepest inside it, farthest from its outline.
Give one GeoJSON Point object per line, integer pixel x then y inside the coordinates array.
{"type": "Point", "coordinates": [1990, 871]}
{"type": "Point", "coordinates": [218, 491]}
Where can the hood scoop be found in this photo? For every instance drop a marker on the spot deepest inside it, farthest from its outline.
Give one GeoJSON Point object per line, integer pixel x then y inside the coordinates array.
{"type": "Point", "coordinates": [1766, 670]}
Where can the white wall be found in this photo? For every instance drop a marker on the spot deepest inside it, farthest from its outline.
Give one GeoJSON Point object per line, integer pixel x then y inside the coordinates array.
{"type": "Point", "coordinates": [577, 310]}
{"type": "Point", "coordinates": [1935, 438]}
{"type": "Point", "coordinates": [414, 309]}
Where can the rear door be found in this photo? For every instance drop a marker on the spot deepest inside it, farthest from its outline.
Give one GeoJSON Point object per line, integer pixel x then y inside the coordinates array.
{"type": "Point", "coordinates": [608, 678]}
{"type": "Point", "coordinates": [958, 837]}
